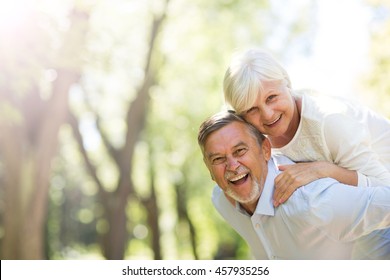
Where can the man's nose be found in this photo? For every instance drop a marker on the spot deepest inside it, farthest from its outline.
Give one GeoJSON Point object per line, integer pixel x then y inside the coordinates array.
{"type": "Point", "coordinates": [232, 164]}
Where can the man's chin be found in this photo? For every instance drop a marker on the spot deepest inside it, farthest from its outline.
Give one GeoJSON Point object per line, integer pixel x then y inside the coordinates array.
{"type": "Point", "coordinates": [248, 198]}
{"type": "Point", "coordinates": [242, 199]}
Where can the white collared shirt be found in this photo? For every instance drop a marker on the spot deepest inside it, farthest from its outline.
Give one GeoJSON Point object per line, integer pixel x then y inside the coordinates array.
{"type": "Point", "coordinates": [322, 220]}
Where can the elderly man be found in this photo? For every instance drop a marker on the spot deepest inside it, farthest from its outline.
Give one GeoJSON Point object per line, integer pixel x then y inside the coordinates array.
{"type": "Point", "coordinates": [322, 220]}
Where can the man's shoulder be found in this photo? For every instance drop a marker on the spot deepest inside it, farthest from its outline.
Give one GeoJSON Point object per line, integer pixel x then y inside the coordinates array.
{"type": "Point", "coordinates": [216, 194]}
{"type": "Point", "coordinates": [320, 192]}
{"type": "Point", "coordinates": [280, 159]}
{"type": "Point", "coordinates": [220, 201]}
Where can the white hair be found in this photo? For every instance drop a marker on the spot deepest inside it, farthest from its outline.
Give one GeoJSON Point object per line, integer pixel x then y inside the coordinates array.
{"type": "Point", "coordinates": [244, 77]}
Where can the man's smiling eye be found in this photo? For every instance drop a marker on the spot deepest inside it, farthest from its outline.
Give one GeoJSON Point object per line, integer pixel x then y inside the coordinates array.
{"type": "Point", "coordinates": [241, 151]}
{"type": "Point", "coordinates": [218, 160]}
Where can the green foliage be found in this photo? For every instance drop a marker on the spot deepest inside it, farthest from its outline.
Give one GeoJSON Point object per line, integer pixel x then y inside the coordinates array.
{"type": "Point", "coordinates": [377, 83]}
{"type": "Point", "coordinates": [195, 46]}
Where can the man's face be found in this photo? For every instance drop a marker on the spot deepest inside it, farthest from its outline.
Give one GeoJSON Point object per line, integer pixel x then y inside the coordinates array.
{"type": "Point", "coordinates": [236, 162]}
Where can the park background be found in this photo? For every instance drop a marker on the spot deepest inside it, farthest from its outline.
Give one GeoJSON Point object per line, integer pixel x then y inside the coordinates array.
{"type": "Point", "coordinates": [100, 104]}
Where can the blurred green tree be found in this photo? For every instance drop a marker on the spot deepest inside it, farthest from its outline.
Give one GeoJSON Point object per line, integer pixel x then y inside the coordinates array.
{"type": "Point", "coordinates": [115, 202]}
{"type": "Point", "coordinates": [377, 83]}
{"type": "Point", "coordinates": [34, 88]}
{"type": "Point", "coordinates": [132, 80]}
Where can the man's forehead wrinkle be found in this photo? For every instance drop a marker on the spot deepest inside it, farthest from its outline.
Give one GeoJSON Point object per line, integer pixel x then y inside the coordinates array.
{"type": "Point", "coordinates": [241, 143]}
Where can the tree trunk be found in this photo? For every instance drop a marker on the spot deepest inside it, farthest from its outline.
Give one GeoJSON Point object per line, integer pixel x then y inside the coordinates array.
{"type": "Point", "coordinates": [151, 207]}
{"type": "Point", "coordinates": [115, 239]}
{"type": "Point", "coordinates": [28, 149]}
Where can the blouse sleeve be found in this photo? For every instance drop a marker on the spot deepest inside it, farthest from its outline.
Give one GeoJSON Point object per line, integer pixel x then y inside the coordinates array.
{"type": "Point", "coordinates": [349, 144]}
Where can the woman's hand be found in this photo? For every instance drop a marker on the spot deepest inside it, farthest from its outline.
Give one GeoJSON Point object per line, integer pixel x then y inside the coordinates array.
{"type": "Point", "coordinates": [299, 174]}
{"type": "Point", "coordinates": [293, 177]}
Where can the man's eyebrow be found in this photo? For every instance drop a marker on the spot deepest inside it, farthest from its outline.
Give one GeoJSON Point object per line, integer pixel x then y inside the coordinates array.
{"type": "Point", "coordinates": [241, 143]}
{"type": "Point", "coordinates": [209, 155]}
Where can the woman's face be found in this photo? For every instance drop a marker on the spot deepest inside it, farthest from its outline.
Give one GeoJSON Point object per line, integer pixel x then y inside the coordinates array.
{"type": "Point", "coordinates": [273, 111]}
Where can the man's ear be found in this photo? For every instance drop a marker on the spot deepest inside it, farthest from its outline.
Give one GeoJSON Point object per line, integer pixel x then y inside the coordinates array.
{"type": "Point", "coordinates": [266, 148]}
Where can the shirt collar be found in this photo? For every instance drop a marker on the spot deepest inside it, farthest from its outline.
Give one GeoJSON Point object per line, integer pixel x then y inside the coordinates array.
{"type": "Point", "coordinates": [265, 205]}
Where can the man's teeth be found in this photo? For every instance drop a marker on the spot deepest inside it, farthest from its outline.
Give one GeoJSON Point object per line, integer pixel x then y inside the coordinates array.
{"type": "Point", "coordinates": [238, 177]}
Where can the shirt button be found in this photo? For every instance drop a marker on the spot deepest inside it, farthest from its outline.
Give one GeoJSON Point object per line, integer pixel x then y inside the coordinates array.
{"type": "Point", "coordinates": [257, 225]}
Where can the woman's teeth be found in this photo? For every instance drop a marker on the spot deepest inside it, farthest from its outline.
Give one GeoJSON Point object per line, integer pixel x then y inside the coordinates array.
{"type": "Point", "coordinates": [274, 121]}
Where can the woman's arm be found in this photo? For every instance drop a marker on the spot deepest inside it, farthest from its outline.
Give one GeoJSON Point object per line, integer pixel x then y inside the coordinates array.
{"type": "Point", "coordinates": [349, 144]}
{"type": "Point", "coordinates": [297, 175]}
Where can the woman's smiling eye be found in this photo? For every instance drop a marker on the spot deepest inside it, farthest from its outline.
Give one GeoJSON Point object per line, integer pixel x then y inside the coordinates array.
{"type": "Point", "coordinates": [271, 97]}
{"type": "Point", "coordinates": [251, 110]}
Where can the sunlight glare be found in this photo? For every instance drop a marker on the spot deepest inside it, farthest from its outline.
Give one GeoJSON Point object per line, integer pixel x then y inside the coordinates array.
{"type": "Point", "coordinates": [13, 13]}
{"type": "Point", "coordinates": [339, 52]}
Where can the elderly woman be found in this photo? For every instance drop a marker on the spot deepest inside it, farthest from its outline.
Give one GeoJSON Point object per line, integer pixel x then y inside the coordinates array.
{"type": "Point", "coordinates": [328, 136]}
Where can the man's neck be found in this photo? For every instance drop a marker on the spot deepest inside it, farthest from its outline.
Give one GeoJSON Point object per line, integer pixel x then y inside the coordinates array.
{"type": "Point", "coordinates": [250, 209]}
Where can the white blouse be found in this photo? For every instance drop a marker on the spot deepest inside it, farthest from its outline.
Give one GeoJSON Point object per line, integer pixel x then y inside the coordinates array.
{"type": "Point", "coordinates": [347, 134]}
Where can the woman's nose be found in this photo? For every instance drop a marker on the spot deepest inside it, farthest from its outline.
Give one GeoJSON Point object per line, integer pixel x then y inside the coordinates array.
{"type": "Point", "coordinates": [266, 113]}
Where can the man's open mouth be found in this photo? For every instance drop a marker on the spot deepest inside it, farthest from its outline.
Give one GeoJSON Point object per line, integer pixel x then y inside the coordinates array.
{"type": "Point", "coordinates": [239, 179]}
